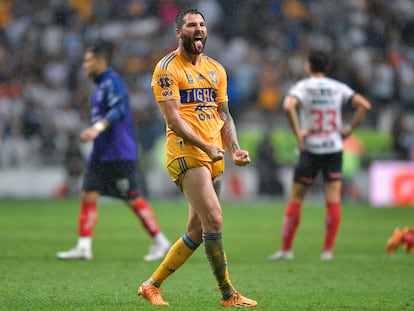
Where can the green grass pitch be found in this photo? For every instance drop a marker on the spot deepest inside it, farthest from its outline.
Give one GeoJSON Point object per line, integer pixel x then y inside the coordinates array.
{"type": "Point", "coordinates": [361, 276]}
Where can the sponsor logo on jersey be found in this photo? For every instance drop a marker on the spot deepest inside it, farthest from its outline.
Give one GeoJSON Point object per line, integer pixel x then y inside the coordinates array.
{"type": "Point", "coordinates": [213, 76]}
{"type": "Point", "coordinates": [194, 95]}
{"type": "Point", "coordinates": [321, 102]}
{"type": "Point", "coordinates": [166, 93]}
{"type": "Point", "coordinates": [190, 78]}
{"type": "Point", "coordinates": [328, 144]}
{"type": "Point", "coordinates": [201, 107]}
{"type": "Point", "coordinates": [206, 116]}
{"type": "Point", "coordinates": [320, 92]}
{"type": "Point", "coordinates": [165, 82]}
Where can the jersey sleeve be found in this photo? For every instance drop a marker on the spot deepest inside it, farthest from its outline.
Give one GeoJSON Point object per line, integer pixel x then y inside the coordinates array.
{"type": "Point", "coordinates": [116, 100]}
{"type": "Point", "coordinates": [222, 85]}
{"type": "Point", "coordinates": [347, 92]}
{"type": "Point", "coordinates": [165, 83]}
{"type": "Point", "coordinates": [297, 90]}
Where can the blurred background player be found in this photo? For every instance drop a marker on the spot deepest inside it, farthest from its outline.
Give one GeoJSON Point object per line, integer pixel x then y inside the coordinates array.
{"type": "Point", "coordinates": [404, 236]}
{"type": "Point", "coordinates": [191, 90]}
{"type": "Point", "coordinates": [269, 183]}
{"type": "Point", "coordinates": [111, 169]}
{"type": "Point", "coordinates": [320, 134]}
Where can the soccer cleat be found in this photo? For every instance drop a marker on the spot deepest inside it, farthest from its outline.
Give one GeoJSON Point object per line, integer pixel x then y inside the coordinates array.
{"type": "Point", "coordinates": [395, 240]}
{"type": "Point", "coordinates": [237, 300]}
{"type": "Point", "coordinates": [157, 250]}
{"type": "Point", "coordinates": [152, 294]}
{"type": "Point", "coordinates": [281, 255]}
{"type": "Point", "coordinates": [75, 253]}
{"type": "Point", "coordinates": [326, 255]}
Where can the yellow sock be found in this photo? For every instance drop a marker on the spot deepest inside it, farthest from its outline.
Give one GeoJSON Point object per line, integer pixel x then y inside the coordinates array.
{"type": "Point", "coordinates": [176, 256]}
{"type": "Point", "coordinates": [218, 262]}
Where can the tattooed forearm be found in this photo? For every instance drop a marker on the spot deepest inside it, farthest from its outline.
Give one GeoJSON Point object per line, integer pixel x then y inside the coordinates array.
{"type": "Point", "coordinates": [228, 131]}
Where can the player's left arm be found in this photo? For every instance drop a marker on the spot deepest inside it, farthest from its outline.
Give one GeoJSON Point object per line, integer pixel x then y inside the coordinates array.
{"type": "Point", "coordinates": [229, 135]}
{"type": "Point", "coordinates": [362, 106]}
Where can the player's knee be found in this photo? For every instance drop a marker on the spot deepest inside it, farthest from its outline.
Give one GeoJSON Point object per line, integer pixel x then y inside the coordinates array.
{"type": "Point", "coordinates": [215, 221]}
{"type": "Point", "coordinates": [89, 196]}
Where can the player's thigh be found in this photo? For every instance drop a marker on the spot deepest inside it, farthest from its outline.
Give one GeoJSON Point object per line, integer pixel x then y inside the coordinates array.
{"type": "Point", "coordinates": [201, 196]}
{"type": "Point", "coordinates": [332, 176]}
{"type": "Point", "coordinates": [298, 191]}
{"type": "Point", "coordinates": [306, 169]}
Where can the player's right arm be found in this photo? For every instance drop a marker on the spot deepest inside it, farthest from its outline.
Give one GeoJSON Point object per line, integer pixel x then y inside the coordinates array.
{"type": "Point", "coordinates": [116, 103]}
{"type": "Point", "coordinates": [290, 104]}
{"type": "Point", "coordinates": [171, 112]}
{"type": "Point", "coordinates": [90, 133]}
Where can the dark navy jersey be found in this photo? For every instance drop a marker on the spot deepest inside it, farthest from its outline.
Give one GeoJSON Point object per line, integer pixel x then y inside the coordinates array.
{"type": "Point", "coordinates": [110, 100]}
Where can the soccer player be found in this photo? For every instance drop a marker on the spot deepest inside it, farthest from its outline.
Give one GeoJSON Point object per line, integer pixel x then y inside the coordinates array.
{"type": "Point", "coordinates": [191, 90]}
{"type": "Point", "coordinates": [404, 236]}
{"type": "Point", "coordinates": [320, 134]}
{"type": "Point", "coordinates": [111, 169]}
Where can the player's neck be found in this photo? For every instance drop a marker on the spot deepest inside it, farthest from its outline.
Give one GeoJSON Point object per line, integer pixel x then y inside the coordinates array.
{"type": "Point", "coordinates": [317, 75]}
{"type": "Point", "coordinates": [191, 58]}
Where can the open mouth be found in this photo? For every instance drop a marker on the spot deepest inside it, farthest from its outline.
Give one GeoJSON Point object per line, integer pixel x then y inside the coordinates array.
{"type": "Point", "coordinates": [198, 43]}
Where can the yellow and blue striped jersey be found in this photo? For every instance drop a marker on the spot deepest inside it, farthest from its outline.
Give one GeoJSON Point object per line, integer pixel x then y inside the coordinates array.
{"type": "Point", "coordinates": [200, 89]}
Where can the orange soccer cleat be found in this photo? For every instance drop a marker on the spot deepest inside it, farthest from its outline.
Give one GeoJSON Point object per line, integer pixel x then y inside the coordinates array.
{"type": "Point", "coordinates": [237, 300]}
{"type": "Point", "coordinates": [152, 294]}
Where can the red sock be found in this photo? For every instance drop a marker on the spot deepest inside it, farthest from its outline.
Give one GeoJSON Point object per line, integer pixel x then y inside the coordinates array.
{"type": "Point", "coordinates": [290, 224]}
{"type": "Point", "coordinates": [333, 219]}
{"type": "Point", "coordinates": [87, 218]}
{"type": "Point", "coordinates": [145, 213]}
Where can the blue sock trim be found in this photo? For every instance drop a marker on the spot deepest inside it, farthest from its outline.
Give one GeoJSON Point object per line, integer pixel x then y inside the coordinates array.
{"type": "Point", "coordinates": [190, 244]}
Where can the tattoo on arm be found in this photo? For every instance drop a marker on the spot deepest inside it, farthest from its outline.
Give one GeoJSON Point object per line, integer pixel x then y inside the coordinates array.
{"type": "Point", "coordinates": [228, 131]}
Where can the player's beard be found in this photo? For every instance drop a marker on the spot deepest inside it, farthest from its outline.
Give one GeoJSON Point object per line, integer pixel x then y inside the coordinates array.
{"type": "Point", "coordinates": [189, 44]}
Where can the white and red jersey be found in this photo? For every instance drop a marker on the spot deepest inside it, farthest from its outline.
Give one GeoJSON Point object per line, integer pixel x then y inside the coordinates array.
{"type": "Point", "coordinates": [320, 101]}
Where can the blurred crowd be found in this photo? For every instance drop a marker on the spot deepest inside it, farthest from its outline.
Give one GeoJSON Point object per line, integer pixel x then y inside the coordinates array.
{"type": "Point", "coordinates": [44, 93]}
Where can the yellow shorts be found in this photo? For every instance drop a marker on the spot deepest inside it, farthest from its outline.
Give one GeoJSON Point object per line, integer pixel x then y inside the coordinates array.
{"type": "Point", "coordinates": [179, 166]}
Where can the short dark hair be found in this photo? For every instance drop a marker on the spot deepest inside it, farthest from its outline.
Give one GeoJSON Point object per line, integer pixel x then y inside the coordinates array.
{"type": "Point", "coordinates": [179, 19]}
{"type": "Point", "coordinates": [102, 48]}
{"type": "Point", "coordinates": [318, 61]}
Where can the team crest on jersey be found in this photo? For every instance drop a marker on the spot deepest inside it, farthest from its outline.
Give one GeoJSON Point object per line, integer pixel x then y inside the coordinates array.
{"type": "Point", "coordinates": [190, 78]}
{"type": "Point", "coordinates": [200, 77]}
{"type": "Point", "coordinates": [213, 76]}
{"type": "Point", "coordinates": [166, 93]}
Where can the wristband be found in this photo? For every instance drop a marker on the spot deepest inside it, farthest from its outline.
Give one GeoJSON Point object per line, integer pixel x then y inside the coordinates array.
{"type": "Point", "coordinates": [99, 126]}
{"type": "Point", "coordinates": [347, 127]}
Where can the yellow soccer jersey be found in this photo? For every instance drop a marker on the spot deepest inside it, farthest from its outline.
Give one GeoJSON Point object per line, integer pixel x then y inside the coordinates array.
{"type": "Point", "coordinates": [199, 89]}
